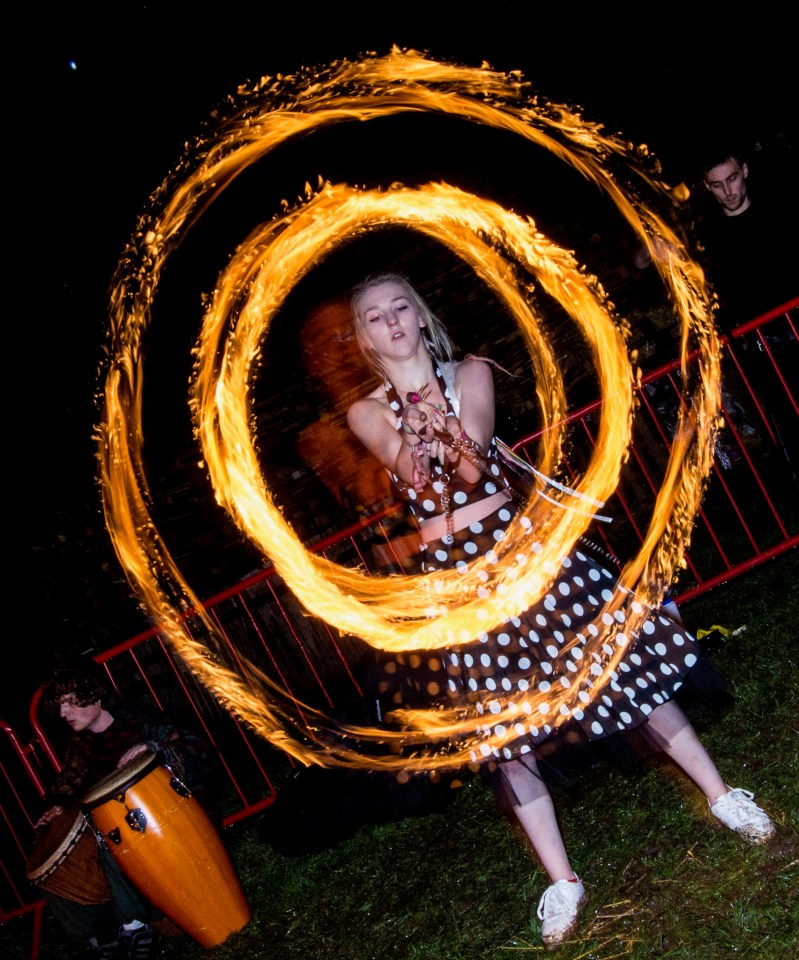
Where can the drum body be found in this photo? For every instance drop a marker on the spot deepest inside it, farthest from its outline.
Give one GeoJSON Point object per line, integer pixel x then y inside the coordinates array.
{"type": "Point", "coordinates": [166, 845]}
{"type": "Point", "coordinates": [65, 861]}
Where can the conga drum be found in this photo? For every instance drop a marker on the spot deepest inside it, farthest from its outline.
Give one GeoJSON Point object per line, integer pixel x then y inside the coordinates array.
{"type": "Point", "coordinates": [65, 861]}
{"type": "Point", "coordinates": [166, 845]}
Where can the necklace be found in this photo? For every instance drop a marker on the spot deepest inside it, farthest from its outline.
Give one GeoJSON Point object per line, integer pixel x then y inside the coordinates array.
{"type": "Point", "coordinates": [416, 396]}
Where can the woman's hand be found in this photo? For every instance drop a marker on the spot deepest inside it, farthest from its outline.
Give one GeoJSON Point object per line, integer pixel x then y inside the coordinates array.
{"type": "Point", "coordinates": [438, 436]}
{"type": "Point", "coordinates": [419, 421]}
{"type": "Point", "coordinates": [450, 430]}
{"type": "Point", "coordinates": [425, 424]}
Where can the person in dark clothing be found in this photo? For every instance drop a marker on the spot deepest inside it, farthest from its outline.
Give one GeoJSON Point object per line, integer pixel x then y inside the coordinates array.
{"type": "Point", "coordinates": [747, 243]}
{"type": "Point", "coordinates": [113, 918]}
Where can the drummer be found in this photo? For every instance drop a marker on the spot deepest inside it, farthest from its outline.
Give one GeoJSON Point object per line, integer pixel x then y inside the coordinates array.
{"type": "Point", "coordinates": [106, 736]}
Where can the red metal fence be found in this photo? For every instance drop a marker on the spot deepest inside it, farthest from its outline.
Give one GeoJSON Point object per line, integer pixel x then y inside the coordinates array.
{"type": "Point", "coordinates": [748, 516]}
{"type": "Point", "coordinates": [749, 512]}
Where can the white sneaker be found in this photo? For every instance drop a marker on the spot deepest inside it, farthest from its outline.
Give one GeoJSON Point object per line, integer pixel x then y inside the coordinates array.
{"type": "Point", "coordinates": [558, 910]}
{"type": "Point", "coordinates": [738, 811]}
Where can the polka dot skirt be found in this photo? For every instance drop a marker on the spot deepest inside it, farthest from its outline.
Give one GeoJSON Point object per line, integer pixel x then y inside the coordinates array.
{"type": "Point", "coordinates": [540, 653]}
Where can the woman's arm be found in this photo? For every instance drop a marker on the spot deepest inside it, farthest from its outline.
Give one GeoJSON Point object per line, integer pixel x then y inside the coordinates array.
{"type": "Point", "coordinates": [373, 424]}
{"type": "Point", "coordinates": [474, 388]}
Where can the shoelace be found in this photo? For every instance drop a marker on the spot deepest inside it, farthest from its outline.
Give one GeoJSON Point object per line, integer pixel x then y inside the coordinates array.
{"type": "Point", "coordinates": [748, 795]}
{"type": "Point", "coordinates": [737, 793]}
{"type": "Point", "coordinates": [553, 893]}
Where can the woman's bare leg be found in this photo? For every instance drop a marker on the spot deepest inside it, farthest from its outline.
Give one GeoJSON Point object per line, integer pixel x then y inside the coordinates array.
{"type": "Point", "coordinates": [735, 808]}
{"type": "Point", "coordinates": [539, 822]}
{"type": "Point", "coordinates": [682, 745]}
{"type": "Point", "coordinates": [560, 905]}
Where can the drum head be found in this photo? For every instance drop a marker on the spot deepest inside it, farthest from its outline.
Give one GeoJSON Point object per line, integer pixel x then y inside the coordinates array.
{"type": "Point", "coordinates": [121, 779]}
{"type": "Point", "coordinates": [53, 842]}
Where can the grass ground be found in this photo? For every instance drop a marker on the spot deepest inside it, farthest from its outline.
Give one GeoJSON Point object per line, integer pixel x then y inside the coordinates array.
{"type": "Point", "coordinates": [664, 879]}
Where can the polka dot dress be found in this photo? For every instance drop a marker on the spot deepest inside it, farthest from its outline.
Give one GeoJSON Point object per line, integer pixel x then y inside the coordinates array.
{"type": "Point", "coordinates": [541, 651]}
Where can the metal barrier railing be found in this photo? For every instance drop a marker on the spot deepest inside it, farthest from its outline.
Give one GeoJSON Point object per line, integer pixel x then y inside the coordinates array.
{"type": "Point", "coordinates": [748, 515]}
{"type": "Point", "coordinates": [749, 511]}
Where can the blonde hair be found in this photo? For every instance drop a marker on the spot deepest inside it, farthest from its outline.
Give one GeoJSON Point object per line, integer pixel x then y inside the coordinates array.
{"type": "Point", "coordinates": [435, 337]}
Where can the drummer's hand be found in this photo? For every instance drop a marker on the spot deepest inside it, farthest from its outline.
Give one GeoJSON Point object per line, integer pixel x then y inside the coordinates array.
{"type": "Point", "coordinates": [131, 754]}
{"type": "Point", "coordinates": [48, 816]}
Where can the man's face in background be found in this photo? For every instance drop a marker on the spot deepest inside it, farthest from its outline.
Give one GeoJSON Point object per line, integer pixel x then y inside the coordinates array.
{"type": "Point", "coordinates": [727, 183]}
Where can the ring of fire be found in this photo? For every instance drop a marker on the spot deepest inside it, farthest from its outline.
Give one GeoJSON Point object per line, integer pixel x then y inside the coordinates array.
{"type": "Point", "coordinates": [265, 267]}
{"type": "Point", "coordinates": [368, 88]}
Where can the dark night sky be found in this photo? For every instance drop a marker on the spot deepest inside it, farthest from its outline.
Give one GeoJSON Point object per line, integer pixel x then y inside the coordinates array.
{"type": "Point", "coordinates": [90, 143]}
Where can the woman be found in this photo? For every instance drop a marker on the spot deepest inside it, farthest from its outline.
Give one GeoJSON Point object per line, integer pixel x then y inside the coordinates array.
{"type": "Point", "coordinates": [437, 444]}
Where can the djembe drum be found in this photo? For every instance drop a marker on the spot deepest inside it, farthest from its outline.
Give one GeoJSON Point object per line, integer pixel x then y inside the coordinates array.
{"type": "Point", "coordinates": [166, 845]}
{"type": "Point", "coordinates": [65, 861]}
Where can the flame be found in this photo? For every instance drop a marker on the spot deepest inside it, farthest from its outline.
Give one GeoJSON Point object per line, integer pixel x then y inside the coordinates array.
{"type": "Point", "coordinates": [415, 612]}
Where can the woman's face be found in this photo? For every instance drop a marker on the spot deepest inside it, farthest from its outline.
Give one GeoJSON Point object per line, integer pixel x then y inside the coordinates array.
{"type": "Point", "coordinates": [389, 320]}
